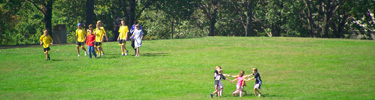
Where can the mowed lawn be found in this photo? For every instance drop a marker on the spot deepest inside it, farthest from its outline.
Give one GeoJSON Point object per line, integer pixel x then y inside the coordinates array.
{"type": "Point", "coordinates": [291, 68]}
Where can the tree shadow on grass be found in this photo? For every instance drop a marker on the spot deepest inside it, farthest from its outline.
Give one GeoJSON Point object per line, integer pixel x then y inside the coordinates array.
{"type": "Point", "coordinates": [263, 95]}
{"type": "Point", "coordinates": [56, 60]}
{"type": "Point", "coordinates": [154, 54]}
{"type": "Point", "coordinates": [270, 95]}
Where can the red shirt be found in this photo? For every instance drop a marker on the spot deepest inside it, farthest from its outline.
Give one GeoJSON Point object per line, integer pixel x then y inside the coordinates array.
{"type": "Point", "coordinates": [90, 40]}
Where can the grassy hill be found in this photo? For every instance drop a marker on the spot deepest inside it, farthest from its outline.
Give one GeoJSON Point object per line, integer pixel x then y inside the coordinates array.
{"type": "Point", "coordinates": [291, 68]}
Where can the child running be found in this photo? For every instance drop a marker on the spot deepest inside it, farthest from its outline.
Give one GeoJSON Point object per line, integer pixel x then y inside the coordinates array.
{"type": "Point", "coordinates": [258, 81]}
{"type": "Point", "coordinates": [90, 43]}
{"type": "Point", "coordinates": [122, 38]}
{"type": "Point", "coordinates": [240, 83]}
{"type": "Point", "coordinates": [80, 37]}
{"type": "Point", "coordinates": [46, 41]}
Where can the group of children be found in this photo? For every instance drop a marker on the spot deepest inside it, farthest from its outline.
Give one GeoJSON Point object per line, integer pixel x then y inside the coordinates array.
{"type": "Point", "coordinates": [241, 79]}
{"type": "Point", "coordinates": [94, 39]}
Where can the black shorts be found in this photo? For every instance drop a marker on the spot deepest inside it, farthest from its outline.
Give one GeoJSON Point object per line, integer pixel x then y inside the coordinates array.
{"type": "Point", "coordinates": [122, 41]}
{"type": "Point", "coordinates": [80, 44]}
{"type": "Point", "coordinates": [98, 44]}
{"type": "Point", "coordinates": [46, 49]}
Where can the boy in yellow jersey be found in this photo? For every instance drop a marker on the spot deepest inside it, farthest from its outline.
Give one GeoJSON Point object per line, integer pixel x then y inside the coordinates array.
{"type": "Point", "coordinates": [99, 35]}
{"type": "Point", "coordinates": [123, 36]}
{"type": "Point", "coordinates": [46, 41]}
{"type": "Point", "coordinates": [81, 37]}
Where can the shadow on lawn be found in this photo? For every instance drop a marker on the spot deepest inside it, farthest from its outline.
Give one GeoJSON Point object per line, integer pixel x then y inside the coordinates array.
{"type": "Point", "coordinates": [154, 54]}
{"type": "Point", "coordinates": [270, 95]}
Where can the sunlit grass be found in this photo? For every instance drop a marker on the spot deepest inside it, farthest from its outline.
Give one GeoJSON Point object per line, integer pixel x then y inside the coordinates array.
{"type": "Point", "coordinates": [291, 68]}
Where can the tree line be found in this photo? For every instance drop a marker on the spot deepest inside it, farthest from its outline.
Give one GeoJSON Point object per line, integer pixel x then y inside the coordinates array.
{"type": "Point", "coordinates": [22, 21]}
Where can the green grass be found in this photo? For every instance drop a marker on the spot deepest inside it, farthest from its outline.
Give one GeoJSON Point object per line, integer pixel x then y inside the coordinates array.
{"type": "Point", "coordinates": [291, 68]}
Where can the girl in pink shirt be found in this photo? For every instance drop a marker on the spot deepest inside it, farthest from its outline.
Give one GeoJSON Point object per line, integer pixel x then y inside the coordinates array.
{"type": "Point", "coordinates": [240, 83]}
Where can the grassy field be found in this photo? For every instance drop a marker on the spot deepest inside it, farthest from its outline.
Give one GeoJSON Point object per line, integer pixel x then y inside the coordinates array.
{"type": "Point", "coordinates": [291, 68]}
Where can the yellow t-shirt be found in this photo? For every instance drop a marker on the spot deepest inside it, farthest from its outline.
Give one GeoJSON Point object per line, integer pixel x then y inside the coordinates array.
{"type": "Point", "coordinates": [81, 35]}
{"type": "Point", "coordinates": [47, 40]}
{"type": "Point", "coordinates": [123, 32]}
{"type": "Point", "coordinates": [99, 33]}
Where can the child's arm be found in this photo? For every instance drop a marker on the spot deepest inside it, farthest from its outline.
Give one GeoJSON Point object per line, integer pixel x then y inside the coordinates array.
{"type": "Point", "coordinates": [249, 79]}
{"type": "Point", "coordinates": [233, 80]}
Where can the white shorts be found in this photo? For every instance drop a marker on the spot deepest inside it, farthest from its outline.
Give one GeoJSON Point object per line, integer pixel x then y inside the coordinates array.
{"type": "Point", "coordinates": [257, 86]}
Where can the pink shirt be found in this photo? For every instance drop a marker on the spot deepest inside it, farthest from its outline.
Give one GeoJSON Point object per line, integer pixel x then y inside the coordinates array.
{"type": "Point", "coordinates": [240, 81]}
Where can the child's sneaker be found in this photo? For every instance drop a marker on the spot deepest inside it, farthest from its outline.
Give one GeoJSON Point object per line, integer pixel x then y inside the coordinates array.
{"type": "Point", "coordinates": [123, 54]}
{"type": "Point", "coordinates": [126, 53]}
{"type": "Point", "coordinates": [79, 55]}
{"type": "Point", "coordinates": [234, 94]}
{"type": "Point", "coordinates": [212, 95]}
{"type": "Point", "coordinates": [259, 95]}
{"type": "Point", "coordinates": [85, 53]}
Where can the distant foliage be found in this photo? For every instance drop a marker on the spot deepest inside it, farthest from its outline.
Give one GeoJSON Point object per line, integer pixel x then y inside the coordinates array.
{"type": "Point", "coordinates": [22, 22]}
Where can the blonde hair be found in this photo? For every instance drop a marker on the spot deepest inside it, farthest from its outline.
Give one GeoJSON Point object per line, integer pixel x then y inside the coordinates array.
{"type": "Point", "coordinates": [255, 69]}
{"type": "Point", "coordinates": [90, 27]}
{"type": "Point", "coordinates": [218, 66]}
{"type": "Point", "coordinates": [241, 73]}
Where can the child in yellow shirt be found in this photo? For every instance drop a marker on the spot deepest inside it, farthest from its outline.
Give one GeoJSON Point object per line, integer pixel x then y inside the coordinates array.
{"type": "Point", "coordinates": [46, 41]}
{"type": "Point", "coordinates": [122, 38]}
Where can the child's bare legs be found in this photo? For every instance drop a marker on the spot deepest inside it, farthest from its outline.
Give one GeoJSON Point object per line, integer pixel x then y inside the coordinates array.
{"type": "Point", "coordinates": [122, 49]}
{"type": "Point", "coordinates": [255, 92]}
{"type": "Point", "coordinates": [83, 48]}
{"type": "Point", "coordinates": [78, 49]}
{"type": "Point", "coordinates": [47, 56]}
{"type": "Point", "coordinates": [137, 52]}
{"type": "Point", "coordinates": [220, 91]}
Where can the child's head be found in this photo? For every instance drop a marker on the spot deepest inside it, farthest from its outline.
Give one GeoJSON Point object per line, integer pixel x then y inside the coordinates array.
{"type": "Point", "coordinates": [89, 31]}
{"type": "Point", "coordinates": [90, 27]}
{"type": "Point", "coordinates": [137, 26]}
{"type": "Point", "coordinates": [241, 73]}
{"type": "Point", "coordinates": [122, 22]}
{"type": "Point", "coordinates": [45, 32]}
{"type": "Point", "coordinates": [79, 25]}
{"type": "Point", "coordinates": [218, 67]}
{"type": "Point", "coordinates": [255, 70]}
{"type": "Point", "coordinates": [220, 71]}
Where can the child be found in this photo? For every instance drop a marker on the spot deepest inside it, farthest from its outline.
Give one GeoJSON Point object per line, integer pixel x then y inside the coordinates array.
{"type": "Point", "coordinates": [132, 31]}
{"type": "Point", "coordinates": [122, 38]}
{"type": "Point", "coordinates": [216, 71]}
{"type": "Point", "coordinates": [80, 37]}
{"type": "Point", "coordinates": [90, 43]}
{"type": "Point", "coordinates": [99, 33]}
{"type": "Point", "coordinates": [218, 85]}
{"type": "Point", "coordinates": [138, 36]}
{"type": "Point", "coordinates": [240, 83]}
{"type": "Point", "coordinates": [46, 40]}
{"type": "Point", "coordinates": [258, 81]}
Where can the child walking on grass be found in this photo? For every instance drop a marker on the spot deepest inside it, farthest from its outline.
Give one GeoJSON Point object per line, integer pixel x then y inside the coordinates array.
{"type": "Point", "coordinates": [258, 81]}
{"type": "Point", "coordinates": [240, 83]}
{"type": "Point", "coordinates": [90, 43]}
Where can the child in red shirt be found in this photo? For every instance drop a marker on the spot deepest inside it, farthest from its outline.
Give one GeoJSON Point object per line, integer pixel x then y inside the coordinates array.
{"type": "Point", "coordinates": [90, 43]}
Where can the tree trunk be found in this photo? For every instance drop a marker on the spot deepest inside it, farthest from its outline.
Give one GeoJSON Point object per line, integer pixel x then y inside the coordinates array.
{"type": "Point", "coordinates": [131, 11]}
{"type": "Point", "coordinates": [48, 17]}
{"type": "Point", "coordinates": [89, 13]}
{"type": "Point", "coordinates": [212, 26]}
{"type": "Point", "coordinates": [310, 20]}
{"type": "Point", "coordinates": [249, 17]}
{"type": "Point", "coordinates": [172, 28]}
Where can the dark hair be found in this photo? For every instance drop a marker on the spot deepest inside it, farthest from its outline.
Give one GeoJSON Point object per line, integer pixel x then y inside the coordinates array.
{"type": "Point", "coordinates": [135, 22]}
